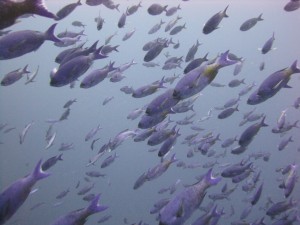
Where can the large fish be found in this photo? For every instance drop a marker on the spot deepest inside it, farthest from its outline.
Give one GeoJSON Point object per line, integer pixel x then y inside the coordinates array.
{"type": "Point", "coordinates": [196, 80]}
{"type": "Point", "coordinates": [18, 43]}
{"type": "Point", "coordinates": [15, 195]}
{"type": "Point", "coordinates": [73, 69]}
{"type": "Point", "coordinates": [213, 23]}
{"type": "Point", "coordinates": [182, 206]}
{"type": "Point", "coordinates": [79, 216]}
{"type": "Point", "coordinates": [272, 84]}
{"type": "Point", "coordinates": [11, 10]}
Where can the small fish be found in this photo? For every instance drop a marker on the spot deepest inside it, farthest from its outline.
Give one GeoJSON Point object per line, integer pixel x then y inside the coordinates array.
{"type": "Point", "coordinates": [122, 20]}
{"type": "Point", "coordinates": [214, 21]}
{"type": "Point", "coordinates": [14, 76]}
{"type": "Point", "coordinates": [248, 24]}
{"type": "Point", "coordinates": [30, 78]}
{"type": "Point", "coordinates": [156, 9]}
{"type": "Point", "coordinates": [24, 132]}
{"type": "Point", "coordinates": [67, 10]}
{"type": "Point", "coordinates": [92, 133]}
{"type": "Point", "coordinates": [268, 45]}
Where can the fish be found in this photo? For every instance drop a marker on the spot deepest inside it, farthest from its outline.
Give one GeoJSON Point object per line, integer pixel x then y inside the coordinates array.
{"type": "Point", "coordinates": [250, 132]}
{"type": "Point", "coordinates": [227, 112]}
{"type": "Point", "coordinates": [73, 69]}
{"type": "Point", "coordinates": [79, 216]}
{"type": "Point", "coordinates": [156, 9]}
{"type": "Point", "coordinates": [213, 23]}
{"type": "Point", "coordinates": [195, 63]}
{"type": "Point", "coordinates": [168, 144]}
{"type": "Point", "coordinates": [172, 23]}
{"type": "Point", "coordinates": [148, 89]}
{"type": "Point", "coordinates": [13, 197]}
{"type": "Point", "coordinates": [292, 5]}
{"type": "Point", "coordinates": [177, 29]}
{"type": "Point", "coordinates": [100, 21]}
{"type": "Point", "coordinates": [51, 140]}
{"type": "Point", "coordinates": [284, 142]}
{"type": "Point", "coordinates": [14, 76]}
{"type": "Point", "coordinates": [11, 10]}
{"type": "Point", "coordinates": [30, 78]}
{"type": "Point", "coordinates": [155, 50]}
{"type": "Point", "coordinates": [97, 76]}
{"type": "Point", "coordinates": [133, 9]}
{"type": "Point", "coordinates": [69, 103]}
{"type": "Point", "coordinates": [67, 10]}
{"type": "Point", "coordinates": [77, 23]}
{"type": "Point", "coordinates": [92, 133]}
{"type": "Point", "coordinates": [51, 162]}
{"type": "Point", "coordinates": [19, 43]}
{"type": "Point", "coordinates": [128, 35]}
{"type": "Point", "coordinates": [24, 132]}
{"type": "Point", "coordinates": [171, 11]}
{"type": "Point", "coordinates": [109, 160]}
{"type": "Point", "coordinates": [236, 82]}
{"type": "Point", "coordinates": [122, 20]}
{"type": "Point", "coordinates": [192, 51]}
{"type": "Point", "coordinates": [71, 34]}
{"type": "Point", "coordinates": [197, 79]}
{"type": "Point", "coordinates": [268, 44]}
{"type": "Point", "coordinates": [182, 205]}
{"type": "Point", "coordinates": [156, 27]}
{"type": "Point", "coordinates": [273, 84]}
{"type": "Point", "coordinates": [248, 24]}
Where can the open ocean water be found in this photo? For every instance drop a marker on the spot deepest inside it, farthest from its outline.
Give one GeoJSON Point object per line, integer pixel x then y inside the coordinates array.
{"type": "Point", "coordinates": [41, 104]}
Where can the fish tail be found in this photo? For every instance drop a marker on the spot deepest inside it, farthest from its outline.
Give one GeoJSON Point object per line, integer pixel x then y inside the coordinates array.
{"type": "Point", "coordinates": [117, 7]}
{"type": "Point", "coordinates": [25, 69]}
{"type": "Point", "coordinates": [79, 3]}
{"type": "Point", "coordinates": [94, 207]}
{"type": "Point", "coordinates": [224, 12]}
{"type": "Point", "coordinates": [294, 67]}
{"type": "Point", "coordinates": [38, 7]}
{"type": "Point", "coordinates": [263, 124]}
{"type": "Point", "coordinates": [60, 157]}
{"type": "Point", "coordinates": [259, 17]}
{"type": "Point", "coordinates": [210, 179]}
{"type": "Point", "coordinates": [223, 60]}
{"type": "Point", "coordinates": [38, 173]}
{"type": "Point", "coordinates": [49, 34]}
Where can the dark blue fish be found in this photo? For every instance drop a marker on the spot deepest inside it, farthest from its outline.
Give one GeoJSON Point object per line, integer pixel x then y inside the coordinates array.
{"type": "Point", "coordinates": [156, 9]}
{"type": "Point", "coordinates": [248, 24]}
{"type": "Point", "coordinates": [73, 69]}
{"type": "Point", "coordinates": [16, 194]}
{"type": "Point", "coordinates": [66, 10]}
{"type": "Point", "coordinates": [292, 5]}
{"type": "Point", "coordinates": [79, 216]}
{"type": "Point", "coordinates": [19, 43]}
{"type": "Point", "coordinates": [11, 10]}
{"type": "Point", "coordinates": [213, 23]}
{"type": "Point", "coordinates": [268, 45]}
{"type": "Point", "coordinates": [181, 207]}
{"type": "Point", "coordinates": [272, 84]}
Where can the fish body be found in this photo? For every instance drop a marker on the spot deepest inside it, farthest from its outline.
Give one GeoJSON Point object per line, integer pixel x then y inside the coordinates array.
{"type": "Point", "coordinates": [11, 10]}
{"type": "Point", "coordinates": [177, 29]}
{"type": "Point", "coordinates": [96, 76]}
{"type": "Point", "coordinates": [292, 5]}
{"type": "Point", "coordinates": [18, 43]}
{"type": "Point", "coordinates": [197, 79]}
{"type": "Point", "coordinates": [192, 51]}
{"type": "Point", "coordinates": [182, 206]}
{"type": "Point", "coordinates": [133, 9]}
{"type": "Point", "coordinates": [66, 10]}
{"type": "Point", "coordinates": [13, 197]}
{"type": "Point", "coordinates": [194, 64]}
{"type": "Point", "coordinates": [14, 76]}
{"type": "Point", "coordinates": [79, 217]}
{"type": "Point", "coordinates": [73, 69]}
{"type": "Point", "coordinates": [122, 20]}
{"type": "Point", "coordinates": [268, 45]}
{"type": "Point", "coordinates": [248, 134]}
{"type": "Point", "coordinates": [155, 51]}
{"type": "Point", "coordinates": [51, 162]}
{"type": "Point", "coordinates": [156, 9]}
{"type": "Point", "coordinates": [272, 84]}
{"type": "Point", "coordinates": [213, 23]}
{"type": "Point", "coordinates": [248, 24]}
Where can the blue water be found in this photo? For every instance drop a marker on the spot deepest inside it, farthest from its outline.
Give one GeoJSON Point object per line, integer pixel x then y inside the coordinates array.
{"type": "Point", "coordinates": [39, 102]}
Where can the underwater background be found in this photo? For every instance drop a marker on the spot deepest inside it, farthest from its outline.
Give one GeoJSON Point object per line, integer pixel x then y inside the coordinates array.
{"type": "Point", "coordinates": [39, 102]}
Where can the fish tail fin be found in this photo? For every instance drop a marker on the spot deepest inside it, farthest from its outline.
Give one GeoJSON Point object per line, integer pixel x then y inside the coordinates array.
{"type": "Point", "coordinates": [98, 54]}
{"type": "Point", "coordinates": [38, 173]}
{"type": "Point", "coordinates": [94, 207]}
{"type": "Point", "coordinates": [79, 3]}
{"type": "Point", "coordinates": [296, 124]}
{"type": "Point", "coordinates": [259, 18]}
{"type": "Point", "coordinates": [237, 107]}
{"type": "Point", "coordinates": [25, 69]}
{"type": "Point", "coordinates": [49, 34]}
{"type": "Point", "coordinates": [263, 124]}
{"type": "Point", "coordinates": [224, 12]}
{"type": "Point", "coordinates": [165, 8]}
{"type": "Point", "coordinates": [223, 60]}
{"type": "Point", "coordinates": [205, 57]}
{"type": "Point", "coordinates": [116, 48]}
{"type": "Point", "coordinates": [294, 67]}
{"type": "Point", "coordinates": [60, 157]}
{"type": "Point", "coordinates": [117, 7]}
{"type": "Point", "coordinates": [38, 7]}
{"type": "Point", "coordinates": [210, 179]}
